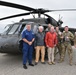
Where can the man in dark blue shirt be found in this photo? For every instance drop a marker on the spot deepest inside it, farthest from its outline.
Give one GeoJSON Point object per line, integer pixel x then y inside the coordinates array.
{"type": "Point", "coordinates": [28, 39]}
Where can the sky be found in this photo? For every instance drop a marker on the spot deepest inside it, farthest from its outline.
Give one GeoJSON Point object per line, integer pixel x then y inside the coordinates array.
{"type": "Point", "coordinates": [69, 17]}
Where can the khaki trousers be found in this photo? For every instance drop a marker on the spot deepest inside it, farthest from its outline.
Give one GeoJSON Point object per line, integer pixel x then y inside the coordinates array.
{"type": "Point", "coordinates": [50, 54]}
{"type": "Point", "coordinates": [38, 50]}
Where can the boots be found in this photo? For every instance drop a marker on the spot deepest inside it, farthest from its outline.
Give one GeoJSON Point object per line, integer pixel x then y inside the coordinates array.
{"type": "Point", "coordinates": [70, 63]}
{"type": "Point", "coordinates": [61, 60]}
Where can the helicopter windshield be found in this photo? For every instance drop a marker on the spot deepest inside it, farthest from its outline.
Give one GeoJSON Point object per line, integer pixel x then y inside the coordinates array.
{"type": "Point", "coordinates": [5, 29]}
{"type": "Point", "coordinates": [13, 29]}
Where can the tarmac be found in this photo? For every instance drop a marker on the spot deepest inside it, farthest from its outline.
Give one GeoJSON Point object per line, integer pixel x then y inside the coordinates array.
{"type": "Point", "coordinates": [11, 64]}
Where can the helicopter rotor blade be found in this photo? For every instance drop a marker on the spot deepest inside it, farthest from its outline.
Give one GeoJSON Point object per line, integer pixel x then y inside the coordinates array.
{"type": "Point", "coordinates": [32, 10]}
{"type": "Point", "coordinates": [18, 15]}
{"type": "Point", "coordinates": [14, 5]}
{"type": "Point", "coordinates": [36, 12]}
{"type": "Point", "coordinates": [15, 16]}
{"type": "Point", "coordinates": [18, 6]}
{"type": "Point", "coordinates": [62, 10]}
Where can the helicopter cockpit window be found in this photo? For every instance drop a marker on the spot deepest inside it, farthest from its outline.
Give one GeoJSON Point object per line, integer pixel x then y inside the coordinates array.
{"type": "Point", "coordinates": [6, 29]}
{"type": "Point", "coordinates": [13, 29]}
{"type": "Point", "coordinates": [22, 28]}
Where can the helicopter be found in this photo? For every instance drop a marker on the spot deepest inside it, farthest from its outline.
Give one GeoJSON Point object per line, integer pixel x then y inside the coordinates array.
{"type": "Point", "coordinates": [10, 39]}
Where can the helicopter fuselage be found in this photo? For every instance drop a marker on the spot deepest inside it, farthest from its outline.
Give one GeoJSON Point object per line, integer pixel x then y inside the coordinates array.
{"type": "Point", "coordinates": [11, 39]}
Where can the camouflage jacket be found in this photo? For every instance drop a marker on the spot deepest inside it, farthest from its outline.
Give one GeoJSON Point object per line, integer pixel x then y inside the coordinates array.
{"type": "Point", "coordinates": [74, 40]}
{"type": "Point", "coordinates": [68, 36]}
{"type": "Point", "coordinates": [58, 36]}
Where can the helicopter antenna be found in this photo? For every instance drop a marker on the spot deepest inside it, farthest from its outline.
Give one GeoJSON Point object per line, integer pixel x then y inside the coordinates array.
{"type": "Point", "coordinates": [33, 15]}
{"type": "Point", "coordinates": [60, 17]}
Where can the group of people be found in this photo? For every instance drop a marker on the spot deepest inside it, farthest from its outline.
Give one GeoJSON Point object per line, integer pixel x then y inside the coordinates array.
{"type": "Point", "coordinates": [52, 40]}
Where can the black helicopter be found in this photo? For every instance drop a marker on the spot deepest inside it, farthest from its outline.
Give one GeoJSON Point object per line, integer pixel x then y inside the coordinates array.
{"type": "Point", "coordinates": [10, 39]}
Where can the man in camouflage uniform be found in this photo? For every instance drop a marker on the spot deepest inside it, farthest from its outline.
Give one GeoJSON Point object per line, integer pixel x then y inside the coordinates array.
{"type": "Point", "coordinates": [58, 46]}
{"type": "Point", "coordinates": [67, 36]}
{"type": "Point", "coordinates": [75, 39]}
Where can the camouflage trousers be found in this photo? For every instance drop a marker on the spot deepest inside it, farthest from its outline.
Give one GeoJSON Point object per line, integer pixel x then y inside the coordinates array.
{"type": "Point", "coordinates": [68, 47]}
{"type": "Point", "coordinates": [58, 47]}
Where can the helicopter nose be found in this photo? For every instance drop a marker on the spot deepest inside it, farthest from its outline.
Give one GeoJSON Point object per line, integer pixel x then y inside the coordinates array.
{"type": "Point", "coordinates": [3, 47]}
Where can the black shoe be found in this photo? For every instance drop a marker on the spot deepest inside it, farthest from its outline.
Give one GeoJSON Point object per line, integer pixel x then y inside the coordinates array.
{"type": "Point", "coordinates": [24, 66]}
{"type": "Point", "coordinates": [43, 62]}
{"type": "Point", "coordinates": [31, 64]}
{"type": "Point", "coordinates": [36, 63]}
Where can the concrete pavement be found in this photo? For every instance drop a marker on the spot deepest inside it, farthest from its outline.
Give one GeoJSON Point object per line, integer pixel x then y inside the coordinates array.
{"type": "Point", "coordinates": [12, 65]}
